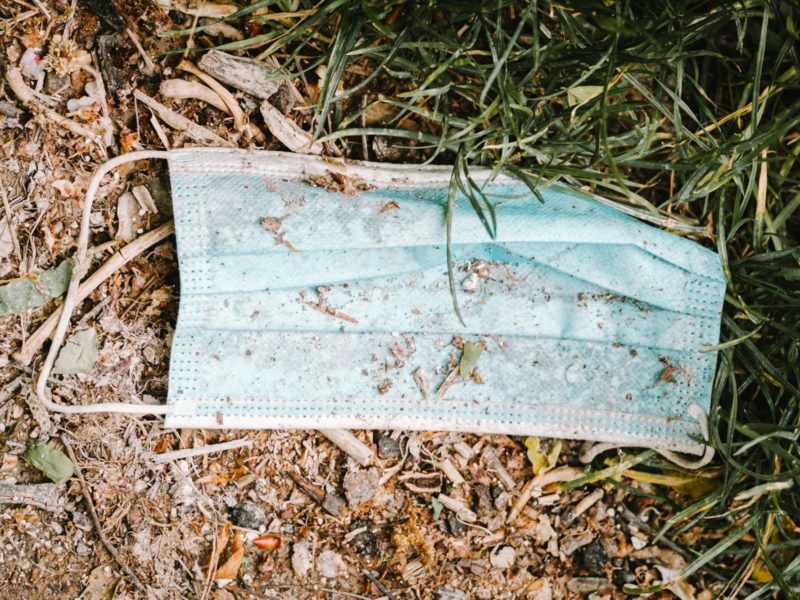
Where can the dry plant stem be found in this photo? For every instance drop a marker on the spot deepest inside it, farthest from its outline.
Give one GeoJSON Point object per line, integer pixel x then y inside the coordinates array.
{"type": "Point", "coordinates": [34, 343]}
{"type": "Point", "coordinates": [28, 97]}
{"type": "Point", "coordinates": [239, 119]}
{"type": "Point", "coordinates": [150, 66]}
{"type": "Point", "coordinates": [350, 445]}
{"type": "Point", "coordinates": [180, 88]}
{"type": "Point", "coordinates": [201, 451]}
{"type": "Point", "coordinates": [42, 495]}
{"type": "Point", "coordinates": [197, 132]}
{"type": "Point", "coordinates": [87, 497]}
{"type": "Point", "coordinates": [538, 482]}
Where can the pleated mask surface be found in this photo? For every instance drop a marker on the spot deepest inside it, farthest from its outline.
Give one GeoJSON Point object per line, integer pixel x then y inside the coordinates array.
{"type": "Point", "coordinates": [315, 294]}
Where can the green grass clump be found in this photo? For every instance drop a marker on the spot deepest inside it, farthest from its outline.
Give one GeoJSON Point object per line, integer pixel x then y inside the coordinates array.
{"type": "Point", "coordinates": [683, 113]}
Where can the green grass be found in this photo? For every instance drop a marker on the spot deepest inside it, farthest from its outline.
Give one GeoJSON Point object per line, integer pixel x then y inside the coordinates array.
{"type": "Point", "coordinates": [684, 113]}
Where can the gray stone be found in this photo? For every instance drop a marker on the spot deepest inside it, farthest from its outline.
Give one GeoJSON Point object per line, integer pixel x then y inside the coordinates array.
{"type": "Point", "coordinates": [248, 515]}
{"type": "Point", "coordinates": [360, 485]}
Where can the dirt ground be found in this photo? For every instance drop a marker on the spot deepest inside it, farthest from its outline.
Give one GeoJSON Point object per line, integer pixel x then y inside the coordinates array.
{"type": "Point", "coordinates": [290, 516]}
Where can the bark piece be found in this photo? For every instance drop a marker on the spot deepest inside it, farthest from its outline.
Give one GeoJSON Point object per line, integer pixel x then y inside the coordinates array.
{"type": "Point", "coordinates": [250, 76]}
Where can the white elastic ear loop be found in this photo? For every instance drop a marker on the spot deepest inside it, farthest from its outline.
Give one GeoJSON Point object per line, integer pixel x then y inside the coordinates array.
{"type": "Point", "coordinates": [590, 451]}
{"type": "Point", "coordinates": [79, 270]}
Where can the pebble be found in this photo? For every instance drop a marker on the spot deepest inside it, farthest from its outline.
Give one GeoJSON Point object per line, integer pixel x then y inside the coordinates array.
{"type": "Point", "coordinates": [387, 447]}
{"type": "Point", "coordinates": [330, 564]}
{"type": "Point", "coordinates": [82, 549]}
{"type": "Point", "coordinates": [248, 515]}
{"type": "Point", "coordinates": [637, 542]}
{"type": "Point", "coordinates": [360, 485]}
{"type": "Point", "coordinates": [593, 557]}
{"type": "Point", "coordinates": [504, 558]}
{"type": "Point", "coordinates": [302, 560]}
{"type": "Point", "coordinates": [365, 542]}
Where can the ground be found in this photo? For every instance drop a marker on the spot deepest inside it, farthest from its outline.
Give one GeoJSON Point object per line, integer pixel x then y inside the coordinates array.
{"type": "Point", "coordinates": [291, 515]}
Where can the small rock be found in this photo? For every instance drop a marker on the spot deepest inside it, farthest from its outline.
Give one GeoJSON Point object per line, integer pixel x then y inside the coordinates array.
{"type": "Point", "coordinates": [365, 542]}
{"type": "Point", "coordinates": [81, 521]}
{"type": "Point", "coordinates": [82, 549]}
{"type": "Point", "coordinates": [388, 447]}
{"type": "Point", "coordinates": [593, 557]}
{"type": "Point", "coordinates": [330, 564]}
{"type": "Point", "coordinates": [302, 560]}
{"type": "Point", "coordinates": [503, 558]}
{"type": "Point", "coordinates": [248, 515]}
{"type": "Point", "coordinates": [360, 485]}
{"type": "Point", "coordinates": [637, 542]}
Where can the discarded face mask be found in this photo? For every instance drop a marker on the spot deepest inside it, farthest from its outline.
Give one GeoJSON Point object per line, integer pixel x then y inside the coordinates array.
{"type": "Point", "coordinates": [315, 294]}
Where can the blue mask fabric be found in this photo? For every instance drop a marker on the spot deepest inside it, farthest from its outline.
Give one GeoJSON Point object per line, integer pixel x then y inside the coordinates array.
{"type": "Point", "coordinates": [315, 294]}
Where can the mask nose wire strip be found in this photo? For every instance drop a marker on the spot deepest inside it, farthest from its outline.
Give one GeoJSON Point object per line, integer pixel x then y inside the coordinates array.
{"type": "Point", "coordinates": [70, 300]}
{"type": "Point", "coordinates": [591, 450]}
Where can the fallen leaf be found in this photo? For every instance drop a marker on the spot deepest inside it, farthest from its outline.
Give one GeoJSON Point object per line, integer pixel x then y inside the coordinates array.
{"type": "Point", "coordinates": [79, 353]}
{"type": "Point", "coordinates": [437, 508]}
{"type": "Point", "coordinates": [542, 461]}
{"type": "Point", "coordinates": [35, 289]}
{"type": "Point", "coordinates": [102, 584]}
{"type": "Point", "coordinates": [230, 568]}
{"type": "Point", "coordinates": [581, 94]}
{"type": "Point", "coordinates": [469, 356]}
{"type": "Point", "coordinates": [53, 463]}
{"type": "Point", "coordinates": [219, 547]}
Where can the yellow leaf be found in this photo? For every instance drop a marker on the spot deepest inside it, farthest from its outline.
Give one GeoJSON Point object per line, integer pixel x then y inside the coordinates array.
{"type": "Point", "coordinates": [230, 568]}
{"type": "Point", "coordinates": [542, 461]}
{"type": "Point", "coordinates": [761, 574]}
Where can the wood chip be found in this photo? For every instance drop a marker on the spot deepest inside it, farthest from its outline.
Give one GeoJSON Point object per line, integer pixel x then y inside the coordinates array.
{"type": "Point", "coordinates": [451, 472]}
{"type": "Point", "coordinates": [288, 132]}
{"type": "Point", "coordinates": [462, 510]}
{"type": "Point", "coordinates": [250, 76]}
{"type": "Point", "coordinates": [350, 445]}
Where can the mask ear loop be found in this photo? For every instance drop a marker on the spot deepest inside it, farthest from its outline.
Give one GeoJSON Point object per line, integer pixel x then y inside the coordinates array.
{"type": "Point", "coordinates": [70, 300]}
{"type": "Point", "coordinates": [591, 450]}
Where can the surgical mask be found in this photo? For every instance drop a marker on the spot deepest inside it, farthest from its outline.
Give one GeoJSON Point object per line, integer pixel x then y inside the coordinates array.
{"type": "Point", "coordinates": [314, 294]}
